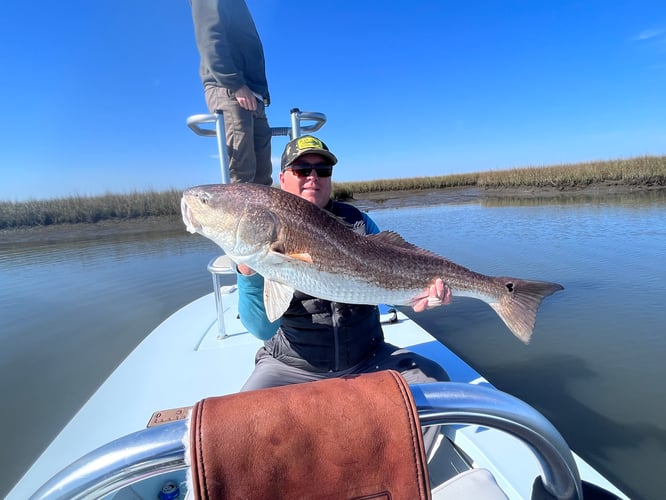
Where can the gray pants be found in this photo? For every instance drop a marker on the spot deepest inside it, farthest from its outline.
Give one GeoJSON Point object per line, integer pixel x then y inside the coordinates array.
{"type": "Point", "coordinates": [248, 137]}
{"type": "Point", "coordinates": [270, 372]}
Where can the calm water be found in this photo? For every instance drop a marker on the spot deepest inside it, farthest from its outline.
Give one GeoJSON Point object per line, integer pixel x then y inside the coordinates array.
{"type": "Point", "coordinates": [70, 313]}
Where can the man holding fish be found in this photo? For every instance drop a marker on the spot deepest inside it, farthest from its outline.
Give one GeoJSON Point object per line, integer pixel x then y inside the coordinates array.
{"type": "Point", "coordinates": [315, 338]}
{"type": "Point", "coordinates": [323, 267]}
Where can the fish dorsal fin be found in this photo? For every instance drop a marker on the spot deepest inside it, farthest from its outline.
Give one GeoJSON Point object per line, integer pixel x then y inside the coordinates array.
{"type": "Point", "coordinates": [277, 298]}
{"type": "Point", "coordinates": [392, 238]}
{"type": "Point", "coordinates": [359, 227]}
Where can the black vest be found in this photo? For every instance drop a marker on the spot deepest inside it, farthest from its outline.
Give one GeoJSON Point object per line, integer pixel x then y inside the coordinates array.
{"type": "Point", "coordinates": [320, 335]}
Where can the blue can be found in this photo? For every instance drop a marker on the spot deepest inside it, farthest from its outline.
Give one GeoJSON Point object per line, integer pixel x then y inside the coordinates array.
{"type": "Point", "coordinates": [170, 491]}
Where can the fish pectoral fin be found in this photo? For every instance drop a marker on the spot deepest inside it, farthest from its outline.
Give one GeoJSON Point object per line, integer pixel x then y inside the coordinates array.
{"type": "Point", "coordinates": [305, 257]}
{"type": "Point", "coordinates": [277, 258]}
{"type": "Point", "coordinates": [277, 298]}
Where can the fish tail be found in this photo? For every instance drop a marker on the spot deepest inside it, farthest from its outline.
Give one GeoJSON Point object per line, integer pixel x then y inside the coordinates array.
{"type": "Point", "coordinates": [518, 306]}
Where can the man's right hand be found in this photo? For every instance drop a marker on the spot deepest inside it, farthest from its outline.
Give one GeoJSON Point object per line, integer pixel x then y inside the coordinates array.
{"type": "Point", "coordinates": [246, 270]}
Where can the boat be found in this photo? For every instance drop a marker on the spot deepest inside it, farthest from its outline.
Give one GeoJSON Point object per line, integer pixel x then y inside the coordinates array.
{"type": "Point", "coordinates": [131, 440]}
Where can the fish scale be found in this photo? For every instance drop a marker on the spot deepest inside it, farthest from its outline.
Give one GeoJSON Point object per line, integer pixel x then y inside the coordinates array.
{"type": "Point", "coordinates": [295, 245]}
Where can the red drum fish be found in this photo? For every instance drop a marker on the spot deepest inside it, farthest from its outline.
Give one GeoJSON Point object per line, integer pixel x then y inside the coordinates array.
{"type": "Point", "coordinates": [295, 245]}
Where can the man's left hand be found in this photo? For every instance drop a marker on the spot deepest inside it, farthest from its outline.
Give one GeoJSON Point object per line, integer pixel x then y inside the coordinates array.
{"type": "Point", "coordinates": [246, 98]}
{"type": "Point", "coordinates": [438, 294]}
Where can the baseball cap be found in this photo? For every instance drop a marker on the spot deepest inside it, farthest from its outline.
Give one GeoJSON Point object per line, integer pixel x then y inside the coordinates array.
{"type": "Point", "coordinates": [305, 144]}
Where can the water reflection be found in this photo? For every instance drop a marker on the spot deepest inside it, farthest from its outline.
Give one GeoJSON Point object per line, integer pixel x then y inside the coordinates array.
{"type": "Point", "coordinates": [638, 199]}
{"type": "Point", "coordinates": [69, 313]}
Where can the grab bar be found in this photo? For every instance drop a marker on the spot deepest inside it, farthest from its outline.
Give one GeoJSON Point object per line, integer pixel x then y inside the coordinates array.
{"type": "Point", "coordinates": [197, 124]}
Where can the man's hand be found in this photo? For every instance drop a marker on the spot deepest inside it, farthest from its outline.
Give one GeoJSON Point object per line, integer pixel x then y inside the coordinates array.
{"type": "Point", "coordinates": [246, 98]}
{"type": "Point", "coordinates": [243, 269]}
{"type": "Point", "coordinates": [438, 294]}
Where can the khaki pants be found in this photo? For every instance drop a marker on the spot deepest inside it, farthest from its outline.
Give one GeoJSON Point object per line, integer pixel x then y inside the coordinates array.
{"type": "Point", "coordinates": [248, 137]}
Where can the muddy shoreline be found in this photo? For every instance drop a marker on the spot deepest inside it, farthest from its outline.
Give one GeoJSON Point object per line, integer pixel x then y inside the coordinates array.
{"type": "Point", "coordinates": [366, 201]}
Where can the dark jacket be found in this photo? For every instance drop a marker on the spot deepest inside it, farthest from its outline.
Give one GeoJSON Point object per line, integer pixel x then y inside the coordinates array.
{"type": "Point", "coordinates": [231, 51]}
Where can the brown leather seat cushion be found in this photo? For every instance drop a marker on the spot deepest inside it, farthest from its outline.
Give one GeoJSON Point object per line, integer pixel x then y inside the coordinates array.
{"type": "Point", "coordinates": [352, 437]}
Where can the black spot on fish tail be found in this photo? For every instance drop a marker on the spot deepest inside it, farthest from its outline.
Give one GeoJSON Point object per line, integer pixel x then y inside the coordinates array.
{"type": "Point", "coordinates": [518, 307]}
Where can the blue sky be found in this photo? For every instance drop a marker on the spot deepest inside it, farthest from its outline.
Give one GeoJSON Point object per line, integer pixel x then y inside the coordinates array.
{"type": "Point", "coordinates": [94, 94]}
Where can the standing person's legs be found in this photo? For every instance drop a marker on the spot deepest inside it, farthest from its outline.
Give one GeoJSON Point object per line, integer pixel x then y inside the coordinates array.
{"type": "Point", "coordinates": [239, 131]}
{"type": "Point", "coordinates": [262, 147]}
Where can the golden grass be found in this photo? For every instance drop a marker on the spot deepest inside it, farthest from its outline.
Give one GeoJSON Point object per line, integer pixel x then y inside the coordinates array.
{"type": "Point", "coordinates": [644, 170]}
{"type": "Point", "coordinates": [78, 209]}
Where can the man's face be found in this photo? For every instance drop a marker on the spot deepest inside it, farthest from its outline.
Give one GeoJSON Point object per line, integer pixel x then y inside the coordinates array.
{"type": "Point", "coordinates": [312, 187]}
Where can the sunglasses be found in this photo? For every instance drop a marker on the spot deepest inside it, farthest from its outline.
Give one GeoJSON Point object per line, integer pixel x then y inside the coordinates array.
{"type": "Point", "coordinates": [305, 169]}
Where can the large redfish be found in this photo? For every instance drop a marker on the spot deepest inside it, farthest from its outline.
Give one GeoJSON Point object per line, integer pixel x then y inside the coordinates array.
{"type": "Point", "coordinates": [295, 245]}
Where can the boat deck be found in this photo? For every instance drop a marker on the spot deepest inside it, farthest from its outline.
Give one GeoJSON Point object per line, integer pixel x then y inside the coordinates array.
{"type": "Point", "coordinates": [185, 360]}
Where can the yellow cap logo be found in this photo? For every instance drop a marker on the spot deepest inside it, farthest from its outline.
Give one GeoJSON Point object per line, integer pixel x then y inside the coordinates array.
{"type": "Point", "coordinates": [309, 143]}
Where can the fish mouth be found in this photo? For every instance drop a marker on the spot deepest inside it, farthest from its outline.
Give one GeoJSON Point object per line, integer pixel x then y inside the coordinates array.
{"type": "Point", "coordinates": [189, 220]}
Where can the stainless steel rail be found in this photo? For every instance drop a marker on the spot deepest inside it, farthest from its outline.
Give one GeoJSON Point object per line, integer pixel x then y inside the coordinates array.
{"type": "Point", "coordinates": [157, 450]}
{"type": "Point", "coordinates": [197, 124]}
{"type": "Point", "coordinates": [296, 129]}
{"type": "Point", "coordinates": [122, 462]}
{"type": "Point", "coordinates": [455, 403]}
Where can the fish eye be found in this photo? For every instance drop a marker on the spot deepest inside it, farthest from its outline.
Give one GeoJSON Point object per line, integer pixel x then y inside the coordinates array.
{"type": "Point", "coordinates": [203, 198]}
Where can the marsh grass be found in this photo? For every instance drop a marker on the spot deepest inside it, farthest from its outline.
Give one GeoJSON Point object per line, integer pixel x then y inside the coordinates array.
{"type": "Point", "coordinates": [644, 170]}
{"type": "Point", "coordinates": [78, 209]}
{"type": "Point", "coordinates": [346, 190]}
{"type": "Point", "coordinates": [641, 171]}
